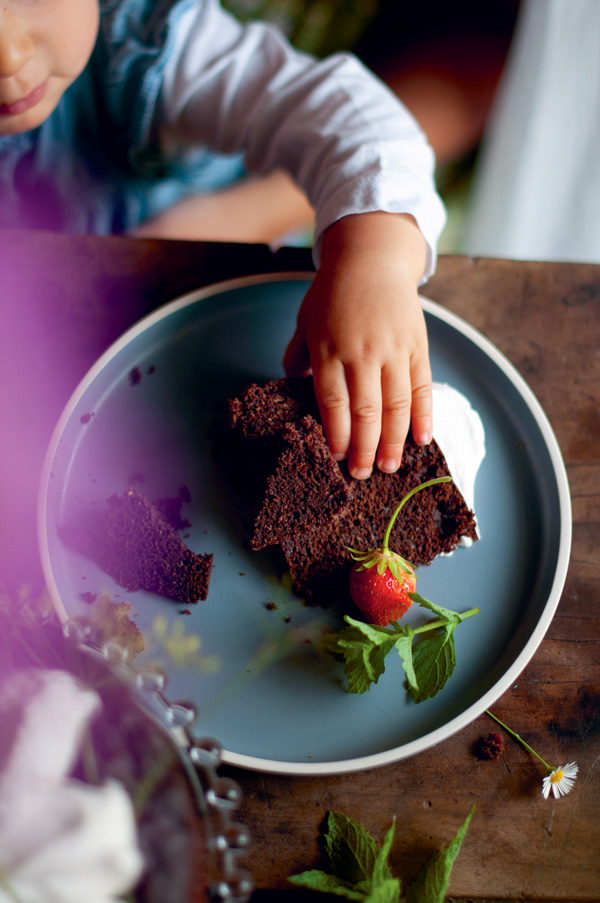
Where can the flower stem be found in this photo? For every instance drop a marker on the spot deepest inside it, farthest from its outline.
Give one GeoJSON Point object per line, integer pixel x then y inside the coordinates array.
{"type": "Point", "coordinates": [409, 495]}
{"type": "Point", "coordinates": [521, 741]}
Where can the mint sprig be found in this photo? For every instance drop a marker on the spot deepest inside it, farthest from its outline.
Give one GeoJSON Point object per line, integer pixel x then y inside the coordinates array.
{"type": "Point", "coordinates": [428, 663]}
{"type": "Point", "coordinates": [360, 869]}
{"type": "Point", "coordinates": [433, 879]}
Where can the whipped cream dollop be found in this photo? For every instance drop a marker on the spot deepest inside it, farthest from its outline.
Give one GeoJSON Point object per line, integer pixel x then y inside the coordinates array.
{"type": "Point", "coordinates": [459, 432]}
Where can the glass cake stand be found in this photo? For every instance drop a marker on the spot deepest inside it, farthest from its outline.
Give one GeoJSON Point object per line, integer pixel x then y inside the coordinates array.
{"type": "Point", "coordinates": [185, 809]}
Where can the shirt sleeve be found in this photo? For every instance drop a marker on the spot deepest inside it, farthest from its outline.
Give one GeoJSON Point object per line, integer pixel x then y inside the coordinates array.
{"type": "Point", "coordinates": [341, 133]}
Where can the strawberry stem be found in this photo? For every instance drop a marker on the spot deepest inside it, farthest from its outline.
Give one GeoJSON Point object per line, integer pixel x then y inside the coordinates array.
{"type": "Point", "coordinates": [408, 495]}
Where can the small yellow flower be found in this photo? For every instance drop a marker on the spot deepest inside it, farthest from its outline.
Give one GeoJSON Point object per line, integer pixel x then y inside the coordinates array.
{"type": "Point", "coordinates": [560, 781]}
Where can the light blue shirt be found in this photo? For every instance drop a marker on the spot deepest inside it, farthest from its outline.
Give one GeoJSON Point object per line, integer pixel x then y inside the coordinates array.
{"type": "Point", "coordinates": [95, 165]}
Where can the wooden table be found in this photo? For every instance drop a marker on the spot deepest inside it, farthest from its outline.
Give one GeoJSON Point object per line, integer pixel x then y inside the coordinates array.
{"type": "Point", "coordinates": [64, 299]}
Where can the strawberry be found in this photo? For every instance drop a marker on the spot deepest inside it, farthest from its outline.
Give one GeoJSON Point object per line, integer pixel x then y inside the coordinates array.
{"type": "Point", "coordinates": [381, 580]}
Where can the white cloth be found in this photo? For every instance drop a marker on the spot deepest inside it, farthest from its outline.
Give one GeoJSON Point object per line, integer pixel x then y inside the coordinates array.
{"type": "Point", "coordinates": [343, 136]}
{"type": "Point", "coordinates": [61, 841]}
{"type": "Point", "coordinates": [536, 191]}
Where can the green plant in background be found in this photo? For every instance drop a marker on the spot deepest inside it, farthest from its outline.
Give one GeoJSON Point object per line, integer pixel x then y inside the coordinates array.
{"type": "Point", "coordinates": [321, 27]}
{"type": "Point", "coordinates": [360, 869]}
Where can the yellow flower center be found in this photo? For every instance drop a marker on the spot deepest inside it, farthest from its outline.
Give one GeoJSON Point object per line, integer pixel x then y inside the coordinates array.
{"type": "Point", "coordinates": [557, 776]}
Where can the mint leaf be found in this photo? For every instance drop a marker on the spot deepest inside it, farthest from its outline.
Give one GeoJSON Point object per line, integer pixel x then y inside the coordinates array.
{"type": "Point", "coordinates": [326, 883]}
{"type": "Point", "coordinates": [445, 613]}
{"type": "Point", "coordinates": [434, 659]}
{"type": "Point", "coordinates": [363, 648]}
{"type": "Point", "coordinates": [360, 868]}
{"type": "Point", "coordinates": [351, 850]}
{"type": "Point", "coordinates": [427, 665]}
{"type": "Point", "coordinates": [404, 648]}
{"type": "Point", "coordinates": [381, 869]}
{"type": "Point", "coordinates": [388, 892]}
{"type": "Point", "coordinates": [433, 879]}
{"type": "Point", "coordinates": [378, 635]}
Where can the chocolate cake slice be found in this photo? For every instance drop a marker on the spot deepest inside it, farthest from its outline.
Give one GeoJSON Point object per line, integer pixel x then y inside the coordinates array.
{"type": "Point", "coordinates": [431, 523]}
{"type": "Point", "coordinates": [138, 548]}
{"type": "Point", "coordinates": [315, 544]}
{"type": "Point", "coordinates": [306, 489]}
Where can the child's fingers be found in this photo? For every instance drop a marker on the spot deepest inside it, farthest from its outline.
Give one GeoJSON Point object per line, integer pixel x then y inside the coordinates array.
{"type": "Point", "coordinates": [396, 408]}
{"type": "Point", "coordinates": [364, 386]}
{"type": "Point", "coordinates": [334, 404]}
{"type": "Point", "coordinates": [422, 408]}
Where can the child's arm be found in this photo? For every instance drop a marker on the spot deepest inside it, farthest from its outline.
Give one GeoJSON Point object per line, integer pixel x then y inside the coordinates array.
{"type": "Point", "coordinates": [367, 169]}
{"type": "Point", "coordinates": [362, 332]}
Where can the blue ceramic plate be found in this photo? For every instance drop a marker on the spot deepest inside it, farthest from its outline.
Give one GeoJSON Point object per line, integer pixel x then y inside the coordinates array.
{"type": "Point", "coordinates": [150, 410]}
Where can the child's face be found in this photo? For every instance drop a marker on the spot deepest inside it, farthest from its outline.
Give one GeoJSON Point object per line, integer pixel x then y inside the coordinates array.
{"type": "Point", "coordinates": [44, 46]}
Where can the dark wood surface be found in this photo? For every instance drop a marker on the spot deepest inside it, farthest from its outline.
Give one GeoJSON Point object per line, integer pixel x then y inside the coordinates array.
{"type": "Point", "coordinates": [64, 299]}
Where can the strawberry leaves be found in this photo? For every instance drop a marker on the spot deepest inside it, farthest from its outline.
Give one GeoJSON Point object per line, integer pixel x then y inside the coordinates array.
{"type": "Point", "coordinates": [428, 662]}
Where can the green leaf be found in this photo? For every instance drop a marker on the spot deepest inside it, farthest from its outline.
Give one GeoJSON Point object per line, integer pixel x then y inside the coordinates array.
{"type": "Point", "coordinates": [381, 869]}
{"type": "Point", "coordinates": [404, 648]}
{"type": "Point", "coordinates": [387, 892]}
{"type": "Point", "coordinates": [360, 868]}
{"type": "Point", "coordinates": [328, 884]}
{"type": "Point", "coordinates": [351, 850]}
{"type": "Point", "coordinates": [446, 613]}
{"type": "Point", "coordinates": [377, 635]}
{"type": "Point", "coordinates": [363, 648]}
{"type": "Point", "coordinates": [434, 659]}
{"type": "Point", "coordinates": [433, 880]}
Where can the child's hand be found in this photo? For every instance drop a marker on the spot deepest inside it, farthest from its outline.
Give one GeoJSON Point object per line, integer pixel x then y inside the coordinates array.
{"type": "Point", "coordinates": [361, 331]}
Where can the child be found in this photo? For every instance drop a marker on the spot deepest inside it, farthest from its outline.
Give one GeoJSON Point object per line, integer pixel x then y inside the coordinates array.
{"type": "Point", "coordinates": [116, 114]}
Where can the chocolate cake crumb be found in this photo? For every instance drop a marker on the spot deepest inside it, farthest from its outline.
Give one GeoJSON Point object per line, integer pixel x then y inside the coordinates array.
{"type": "Point", "coordinates": [263, 410]}
{"type": "Point", "coordinates": [88, 598]}
{"type": "Point", "coordinates": [489, 747]}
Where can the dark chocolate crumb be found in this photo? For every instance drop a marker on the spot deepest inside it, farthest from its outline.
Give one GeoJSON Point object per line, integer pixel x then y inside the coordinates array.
{"type": "Point", "coordinates": [89, 598]}
{"type": "Point", "coordinates": [489, 747]}
{"type": "Point", "coordinates": [135, 376]}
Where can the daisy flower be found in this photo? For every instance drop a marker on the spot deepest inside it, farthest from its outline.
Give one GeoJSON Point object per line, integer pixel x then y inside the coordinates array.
{"type": "Point", "coordinates": [559, 780]}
